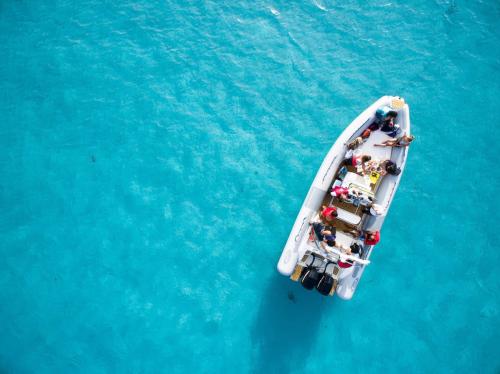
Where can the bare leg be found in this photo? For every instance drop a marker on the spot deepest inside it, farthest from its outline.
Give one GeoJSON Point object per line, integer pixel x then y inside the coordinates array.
{"type": "Point", "coordinates": [387, 143]}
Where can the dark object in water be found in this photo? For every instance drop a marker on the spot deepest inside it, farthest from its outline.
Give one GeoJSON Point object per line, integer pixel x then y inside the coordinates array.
{"type": "Point", "coordinates": [92, 158]}
{"type": "Point", "coordinates": [291, 296]}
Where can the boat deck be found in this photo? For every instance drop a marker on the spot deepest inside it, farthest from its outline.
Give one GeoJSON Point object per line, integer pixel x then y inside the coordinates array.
{"type": "Point", "coordinates": [344, 228]}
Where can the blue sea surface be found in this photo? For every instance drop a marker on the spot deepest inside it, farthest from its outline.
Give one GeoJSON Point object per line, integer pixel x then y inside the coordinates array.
{"type": "Point", "coordinates": [155, 155]}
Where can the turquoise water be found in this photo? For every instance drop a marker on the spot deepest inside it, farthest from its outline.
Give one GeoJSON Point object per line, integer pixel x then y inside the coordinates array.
{"type": "Point", "coordinates": [154, 158]}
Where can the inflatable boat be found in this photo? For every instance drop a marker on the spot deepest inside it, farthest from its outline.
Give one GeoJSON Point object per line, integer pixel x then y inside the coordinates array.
{"type": "Point", "coordinates": [340, 221]}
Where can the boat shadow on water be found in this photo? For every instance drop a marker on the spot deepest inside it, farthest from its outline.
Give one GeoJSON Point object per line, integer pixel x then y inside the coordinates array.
{"type": "Point", "coordinates": [286, 326]}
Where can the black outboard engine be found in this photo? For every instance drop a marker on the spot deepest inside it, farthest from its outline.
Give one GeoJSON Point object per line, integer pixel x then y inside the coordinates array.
{"type": "Point", "coordinates": [310, 278]}
{"type": "Point", "coordinates": [310, 275]}
{"type": "Point", "coordinates": [326, 283]}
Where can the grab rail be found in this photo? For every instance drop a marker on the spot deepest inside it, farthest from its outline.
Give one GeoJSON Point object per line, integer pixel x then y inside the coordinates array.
{"type": "Point", "coordinates": [300, 229]}
{"type": "Point", "coordinates": [329, 167]}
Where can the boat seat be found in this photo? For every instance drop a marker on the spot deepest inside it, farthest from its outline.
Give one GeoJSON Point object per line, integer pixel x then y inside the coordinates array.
{"type": "Point", "coordinates": [348, 217]}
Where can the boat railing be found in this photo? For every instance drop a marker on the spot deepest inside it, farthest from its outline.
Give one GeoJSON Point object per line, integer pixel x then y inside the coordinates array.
{"type": "Point", "coordinates": [329, 167]}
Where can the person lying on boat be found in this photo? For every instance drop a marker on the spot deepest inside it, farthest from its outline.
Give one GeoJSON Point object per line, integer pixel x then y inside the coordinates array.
{"type": "Point", "coordinates": [359, 140]}
{"type": "Point", "coordinates": [341, 193]}
{"type": "Point", "coordinates": [329, 213]}
{"type": "Point", "coordinates": [402, 141]}
{"type": "Point", "coordinates": [357, 161]}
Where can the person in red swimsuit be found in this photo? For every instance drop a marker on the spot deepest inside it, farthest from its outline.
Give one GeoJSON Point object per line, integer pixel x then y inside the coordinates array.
{"type": "Point", "coordinates": [329, 213]}
{"type": "Point", "coordinates": [372, 237]}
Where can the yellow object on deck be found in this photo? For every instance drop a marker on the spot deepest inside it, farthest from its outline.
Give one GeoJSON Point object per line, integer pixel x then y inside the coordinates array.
{"type": "Point", "coordinates": [374, 177]}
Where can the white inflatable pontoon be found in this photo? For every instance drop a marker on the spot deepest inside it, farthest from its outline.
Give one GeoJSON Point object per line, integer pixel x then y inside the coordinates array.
{"type": "Point", "coordinates": [337, 268]}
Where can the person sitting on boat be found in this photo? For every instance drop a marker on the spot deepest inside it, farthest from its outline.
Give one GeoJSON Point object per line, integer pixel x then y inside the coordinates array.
{"type": "Point", "coordinates": [384, 120]}
{"type": "Point", "coordinates": [390, 167]}
{"type": "Point", "coordinates": [373, 210]}
{"type": "Point", "coordinates": [329, 213]}
{"type": "Point", "coordinates": [402, 141]}
{"type": "Point", "coordinates": [371, 237]}
{"type": "Point", "coordinates": [388, 124]}
{"type": "Point", "coordinates": [357, 161]}
{"type": "Point", "coordinates": [354, 249]}
{"type": "Point", "coordinates": [341, 192]}
{"type": "Point", "coordinates": [324, 235]}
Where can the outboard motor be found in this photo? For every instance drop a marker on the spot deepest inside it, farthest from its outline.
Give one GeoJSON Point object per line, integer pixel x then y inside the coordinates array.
{"type": "Point", "coordinates": [326, 283]}
{"type": "Point", "coordinates": [310, 278]}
